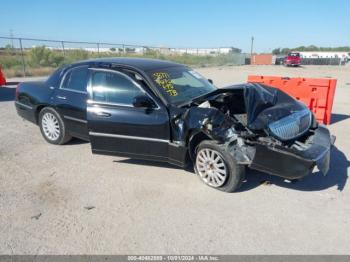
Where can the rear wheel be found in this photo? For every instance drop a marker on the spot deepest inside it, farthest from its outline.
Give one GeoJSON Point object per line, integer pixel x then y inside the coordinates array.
{"type": "Point", "coordinates": [217, 168]}
{"type": "Point", "coordinates": [52, 127]}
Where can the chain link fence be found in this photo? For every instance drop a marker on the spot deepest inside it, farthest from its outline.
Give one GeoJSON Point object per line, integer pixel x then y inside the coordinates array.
{"type": "Point", "coordinates": [36, 57]}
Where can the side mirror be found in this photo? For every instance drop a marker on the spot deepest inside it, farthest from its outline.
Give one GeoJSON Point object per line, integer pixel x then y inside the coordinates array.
{"type": "Point", "coordinates": [143, 101]}
{"type": "Point", "coordinates": [210, 81]}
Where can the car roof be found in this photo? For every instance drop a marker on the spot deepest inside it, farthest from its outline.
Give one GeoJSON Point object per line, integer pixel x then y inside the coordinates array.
{"type": "Point", "coordinates": [144, 64]}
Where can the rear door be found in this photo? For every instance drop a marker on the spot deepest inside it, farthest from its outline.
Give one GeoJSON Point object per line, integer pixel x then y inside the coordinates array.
{"type": "Point", "coordinates": [116, 127]}
{"type": "Point", "coordinates": [70, 100]}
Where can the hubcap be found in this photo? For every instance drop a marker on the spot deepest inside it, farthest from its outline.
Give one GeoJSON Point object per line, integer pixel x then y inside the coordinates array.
{"type": "Point", "coordinates": [211, 167]}
{"type": "Point", "coordinates": [50, 126]}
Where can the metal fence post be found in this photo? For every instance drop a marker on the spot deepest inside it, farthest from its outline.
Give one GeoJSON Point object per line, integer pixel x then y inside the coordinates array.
{"type": "Point", "coordinates": [64, 52]}
{"type": "Point", "coordinates": [22, 55]}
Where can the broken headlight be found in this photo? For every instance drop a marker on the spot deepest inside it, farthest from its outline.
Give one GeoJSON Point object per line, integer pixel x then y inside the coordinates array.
{"type": "Point", "coordinates": [291, 126]}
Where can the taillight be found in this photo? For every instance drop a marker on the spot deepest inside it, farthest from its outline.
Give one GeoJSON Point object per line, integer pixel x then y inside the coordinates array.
{"type": "Point", "coordinates": [17, 91]}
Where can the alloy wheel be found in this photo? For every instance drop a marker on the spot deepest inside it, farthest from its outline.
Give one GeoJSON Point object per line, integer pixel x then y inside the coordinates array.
{"type": "Point", "coordinates": [211, 167]}
{"type": "Point", "coordinates": [50, 126]}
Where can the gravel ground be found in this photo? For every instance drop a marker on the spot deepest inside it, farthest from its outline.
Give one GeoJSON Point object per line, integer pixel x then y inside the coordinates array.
{"type": "Point", "coordinates": [64, 200]}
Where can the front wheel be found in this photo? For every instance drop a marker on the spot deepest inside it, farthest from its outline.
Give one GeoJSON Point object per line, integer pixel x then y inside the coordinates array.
{"type": "Point", "coordinates": [217, 168]}
{"type": "Point", "coordinates": [52, 127]}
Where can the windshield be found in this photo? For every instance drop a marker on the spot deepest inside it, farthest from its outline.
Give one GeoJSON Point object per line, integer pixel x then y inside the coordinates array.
{"type": "Point", "coordinates": [180, 84]}
{"type": "Point", "coordinates": [294, 54]}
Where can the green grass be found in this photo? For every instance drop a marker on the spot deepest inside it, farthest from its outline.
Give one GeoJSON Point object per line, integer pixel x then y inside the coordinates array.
{"type": "Point", "coordinates": [42, 61]}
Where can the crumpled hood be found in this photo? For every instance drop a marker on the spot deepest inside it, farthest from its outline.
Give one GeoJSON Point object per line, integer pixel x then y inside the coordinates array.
{"type": "Point", "coordinates": [265, 104]}
{"type": "Point", "coordinates": [262, 104]}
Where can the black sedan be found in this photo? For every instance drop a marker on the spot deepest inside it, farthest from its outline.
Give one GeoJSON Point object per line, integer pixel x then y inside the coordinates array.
{"type": "Point", "coordinates": [163, 111]}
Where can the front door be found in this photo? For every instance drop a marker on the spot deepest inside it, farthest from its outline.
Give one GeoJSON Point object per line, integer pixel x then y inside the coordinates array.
{"type": "Point", "coordinates": [70, 101]}
{"type": "Point", "coordinates": [116, 127]}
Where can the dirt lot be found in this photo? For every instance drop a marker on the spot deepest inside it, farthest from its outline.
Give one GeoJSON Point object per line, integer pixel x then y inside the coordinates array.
{"type": "Point", "coordinates": [64, 200]}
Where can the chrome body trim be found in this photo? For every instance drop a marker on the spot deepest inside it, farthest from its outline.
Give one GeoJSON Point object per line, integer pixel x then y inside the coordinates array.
{"type": "Point", "coordinates": [92, 102]}
{"type": "Point", "coordinates": [74, 91]}
{"type": "Point", "coordinates": [128, 137]}
{"type": "Point", "coordinates": [24, 105]}
{"type": "Point", "coordinates": [75, 119]}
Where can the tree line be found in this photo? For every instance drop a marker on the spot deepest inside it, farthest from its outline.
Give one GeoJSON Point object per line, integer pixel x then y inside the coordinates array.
{"type": "Point", "coordinates": [284, 51]}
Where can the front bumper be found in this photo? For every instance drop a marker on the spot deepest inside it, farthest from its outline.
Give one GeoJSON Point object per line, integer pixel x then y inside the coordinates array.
{"type": "Point", "coordinates": [291, 163]}
{"type": "Point", "coordinates": [291, 62]}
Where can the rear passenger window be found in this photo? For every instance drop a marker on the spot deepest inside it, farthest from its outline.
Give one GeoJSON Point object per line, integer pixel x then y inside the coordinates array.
{"type": "Point", "coordinates": [113, 87]}
{"type": "Point", "coordinates": [76, 79]}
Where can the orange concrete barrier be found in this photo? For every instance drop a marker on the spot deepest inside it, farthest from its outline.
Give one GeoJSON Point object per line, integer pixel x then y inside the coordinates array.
{"type": "Point", "coordinates": [316, 93]}
{"type": "Point", "coordinates": [262, 59]}
{"type": "Point", "coordinates": [2, 78]}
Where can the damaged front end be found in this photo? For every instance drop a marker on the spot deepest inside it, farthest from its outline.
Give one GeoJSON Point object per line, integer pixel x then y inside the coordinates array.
{"type": "Point", "coordinates": [262, 127]}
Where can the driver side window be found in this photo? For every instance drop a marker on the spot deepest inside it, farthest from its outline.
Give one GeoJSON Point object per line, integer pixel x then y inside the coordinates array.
{"type": "Point", "coordinates": [114, 88]}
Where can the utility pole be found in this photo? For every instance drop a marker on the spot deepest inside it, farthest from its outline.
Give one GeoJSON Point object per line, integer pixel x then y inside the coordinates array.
{"type": "Point", "coordinates": [22, 55]}
{"type": "Point", "coordinates": [251, 47]}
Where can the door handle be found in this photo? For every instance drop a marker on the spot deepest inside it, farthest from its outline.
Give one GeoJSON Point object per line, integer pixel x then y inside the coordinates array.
{"type": "Point", "coordinates": [62, 97]}
{"type": "Point", "coordinates": [102, 114]}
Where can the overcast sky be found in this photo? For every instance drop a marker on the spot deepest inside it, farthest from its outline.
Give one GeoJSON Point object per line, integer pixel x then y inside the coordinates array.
{"type": "Point", "coordinates": [180, 23]}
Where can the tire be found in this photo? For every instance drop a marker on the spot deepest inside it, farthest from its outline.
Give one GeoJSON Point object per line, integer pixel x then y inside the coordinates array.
{"type": "Point", "coordinates": [225, 162]}
{"type": "Point", "coordinates": [52, 127]}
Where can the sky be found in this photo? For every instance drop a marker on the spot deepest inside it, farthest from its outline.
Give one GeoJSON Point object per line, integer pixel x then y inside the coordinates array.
{"type": "Point", "coordinates": [181, 23]}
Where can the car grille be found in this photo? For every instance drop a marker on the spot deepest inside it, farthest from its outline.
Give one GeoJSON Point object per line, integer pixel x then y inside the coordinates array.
{"type": "Point", "coordinates": [292, 125]}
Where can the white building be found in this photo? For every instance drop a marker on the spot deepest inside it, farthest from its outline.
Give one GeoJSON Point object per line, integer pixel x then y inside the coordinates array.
{"type": "Point", "coordinates": [201, 51]}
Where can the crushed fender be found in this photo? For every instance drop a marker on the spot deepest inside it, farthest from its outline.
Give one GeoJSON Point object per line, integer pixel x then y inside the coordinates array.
{"type": "Point", "coordinates": [260, 126]}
